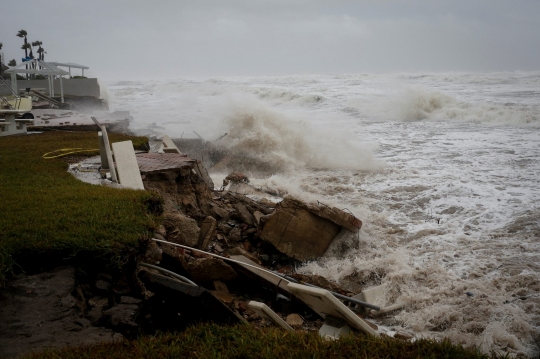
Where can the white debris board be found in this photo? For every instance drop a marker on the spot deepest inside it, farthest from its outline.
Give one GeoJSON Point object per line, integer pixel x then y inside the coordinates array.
{"type": "Point", "coordinates": [324, 303]}
{"type": "Point", "coordinates": [264, 311]}
{"type": "Point", "coordinates": [126, 165]}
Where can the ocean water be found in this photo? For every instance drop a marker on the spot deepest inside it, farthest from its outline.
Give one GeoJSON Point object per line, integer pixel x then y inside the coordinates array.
{"type": "Point", "coordinates": [443, 169]}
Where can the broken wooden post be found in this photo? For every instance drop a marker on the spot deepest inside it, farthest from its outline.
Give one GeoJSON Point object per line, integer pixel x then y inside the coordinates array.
{"type": "Point", "coordinates": [105, 152]}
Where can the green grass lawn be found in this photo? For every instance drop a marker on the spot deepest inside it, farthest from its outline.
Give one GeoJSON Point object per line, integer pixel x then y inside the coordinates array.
{"type": "Point", "coordinates": [243, 341]}
{"type": "Point", "coordinates": [46, 213]}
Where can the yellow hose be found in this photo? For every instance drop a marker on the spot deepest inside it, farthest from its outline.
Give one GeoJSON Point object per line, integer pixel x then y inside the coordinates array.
{"type": "Point", "coordinates": [65, 153]}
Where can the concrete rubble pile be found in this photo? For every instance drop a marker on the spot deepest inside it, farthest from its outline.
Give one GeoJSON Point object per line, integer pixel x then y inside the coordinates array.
{"type": "Point", "coordinates": [219, 256]}
{"type": "Point", "coordinates": [207, 234]}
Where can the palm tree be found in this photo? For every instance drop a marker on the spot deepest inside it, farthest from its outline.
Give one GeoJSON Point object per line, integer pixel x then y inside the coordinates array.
{"type": "Point", "coordinates": [41, 51]}
{"type": "Point", "coordinates": [25, 47]}
{"type": "Point", "coordinates": [21, 34]}
{"type": "Point", "coordinates": [12, 63]}
{"type": "Point", "coordinates": [38, 44]}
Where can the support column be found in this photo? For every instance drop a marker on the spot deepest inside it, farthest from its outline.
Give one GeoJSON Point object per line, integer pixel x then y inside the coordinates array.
{"type": "Point", "coordinates": [61, 89]}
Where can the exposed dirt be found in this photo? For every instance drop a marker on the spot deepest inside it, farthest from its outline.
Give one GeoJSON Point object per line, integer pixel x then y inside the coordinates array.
{"type": "Point", "coordinates": [38, 311]}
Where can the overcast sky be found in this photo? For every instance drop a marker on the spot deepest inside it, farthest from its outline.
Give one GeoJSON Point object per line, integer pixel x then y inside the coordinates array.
{"type": "Point", "coordinates": [129, 39]}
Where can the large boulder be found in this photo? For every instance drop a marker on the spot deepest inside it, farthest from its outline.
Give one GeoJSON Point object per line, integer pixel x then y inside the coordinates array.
{"type": "Point", "coordinates": [181, 229]}
{"type": "Point", "coordinates": [304, 231]}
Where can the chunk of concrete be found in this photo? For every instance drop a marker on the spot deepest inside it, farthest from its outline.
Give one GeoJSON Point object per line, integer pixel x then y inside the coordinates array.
{"type": "Point", "coordinates": [305, 231]}
{"type": "Point", "coordinates": [210, 269]}
{"type": "Point", "coordinates": [208, 231]}
{"type": "Point", "coordinates": [168, 145]}
{"type": "Point", "coordinates": [294, 320]}
{"type": "Point", "coordinates": [127, 166]}
{"type": "Point", "coordinates": [181, 229]}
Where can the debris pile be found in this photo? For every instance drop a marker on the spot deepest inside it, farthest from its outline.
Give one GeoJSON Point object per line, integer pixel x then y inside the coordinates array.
{"type": "Point", "coordinates": [223, 257]}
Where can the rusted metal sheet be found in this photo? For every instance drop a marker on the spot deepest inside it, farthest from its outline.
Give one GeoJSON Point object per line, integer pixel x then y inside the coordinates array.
{"type": "Point", "coordinates": [156, 162]}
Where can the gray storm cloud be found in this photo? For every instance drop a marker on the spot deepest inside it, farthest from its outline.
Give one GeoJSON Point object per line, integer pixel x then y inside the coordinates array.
{"type": "Point", "coordinates": [140, 39]}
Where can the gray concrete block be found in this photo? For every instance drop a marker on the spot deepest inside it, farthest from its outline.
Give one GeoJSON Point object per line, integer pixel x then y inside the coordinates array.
{"type": "Point", "coordinates": [126, 165]}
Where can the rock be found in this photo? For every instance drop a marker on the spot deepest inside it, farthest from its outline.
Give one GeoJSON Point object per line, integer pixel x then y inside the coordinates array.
{"type": "Point", "coordinates": [217, 248]}
{"type": "Point", "coordinates": [246, 245]}
{"type": "Point", "coordinates": [389, 321]}
{"type": "Point", "coordinates": [159, 236]}
{"type": "Point", "coordinates": [235, 235]}
{"type": "Point", "coordinates": [240, 251]}
{"type": "Point", "coordinates": [103, 286]}
{"type": "Point", "coordinates": [403, 336]}
{"type": "Point", "coordinates": [181, 229]}
{"type": "Point", "coordinates": [161, 230]}
{"type": "Point", "coordinates": [220, 212]}
{"type": "Point", "coordinates": [153, 252]}
{"type": "Point", "coordinates": [129, 300]}
{"type": "Point", "coordinates": [99, 302]}
{"type": "Point", "coordinates": [248, 232]}
{"type": "Point", "coordinates": [225, 228]}
{"type": "Point", "coordinates": [226, 298]}
{"type": "Point", "coordinates": [220, 286]}
{"type": "Point", "coordinates": [304, 231]}
{"type": "Point", "coordinates": [210, 269]}
{"type": "Point", "coordinates": [257, 216]}
{"type": "Point", "coordinates": [243, 214]}
{"type": "Point", "coordinates": [208, 231]}
{"type": "Point", "coordinates": [176, 305]}
{"type": "Point", "coordinates": [122, 316]}
{"type": "Point", "coordinates": [294, 320]}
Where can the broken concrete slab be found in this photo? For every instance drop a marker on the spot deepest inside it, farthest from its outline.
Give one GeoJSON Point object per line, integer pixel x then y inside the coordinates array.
{"type": "Point", "coordinates": [173, 176]}
{"type": "Point", "coordinates": [175, 305]}
{"type": "Point", "coordinates": [126, 165]}
{"type": "Point", "coordinates": [304, 231]}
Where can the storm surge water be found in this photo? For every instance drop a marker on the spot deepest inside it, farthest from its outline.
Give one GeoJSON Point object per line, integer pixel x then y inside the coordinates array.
{"type": "Point", "coordinates": [442, 169]}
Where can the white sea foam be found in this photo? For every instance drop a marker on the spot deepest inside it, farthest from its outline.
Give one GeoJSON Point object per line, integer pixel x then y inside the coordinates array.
{"type": "Point", "coordinates": [454, 208]}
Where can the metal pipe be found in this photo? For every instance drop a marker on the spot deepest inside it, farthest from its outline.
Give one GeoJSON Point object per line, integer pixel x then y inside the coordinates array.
{"type": "Point", "coordinates": [177, 276]}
